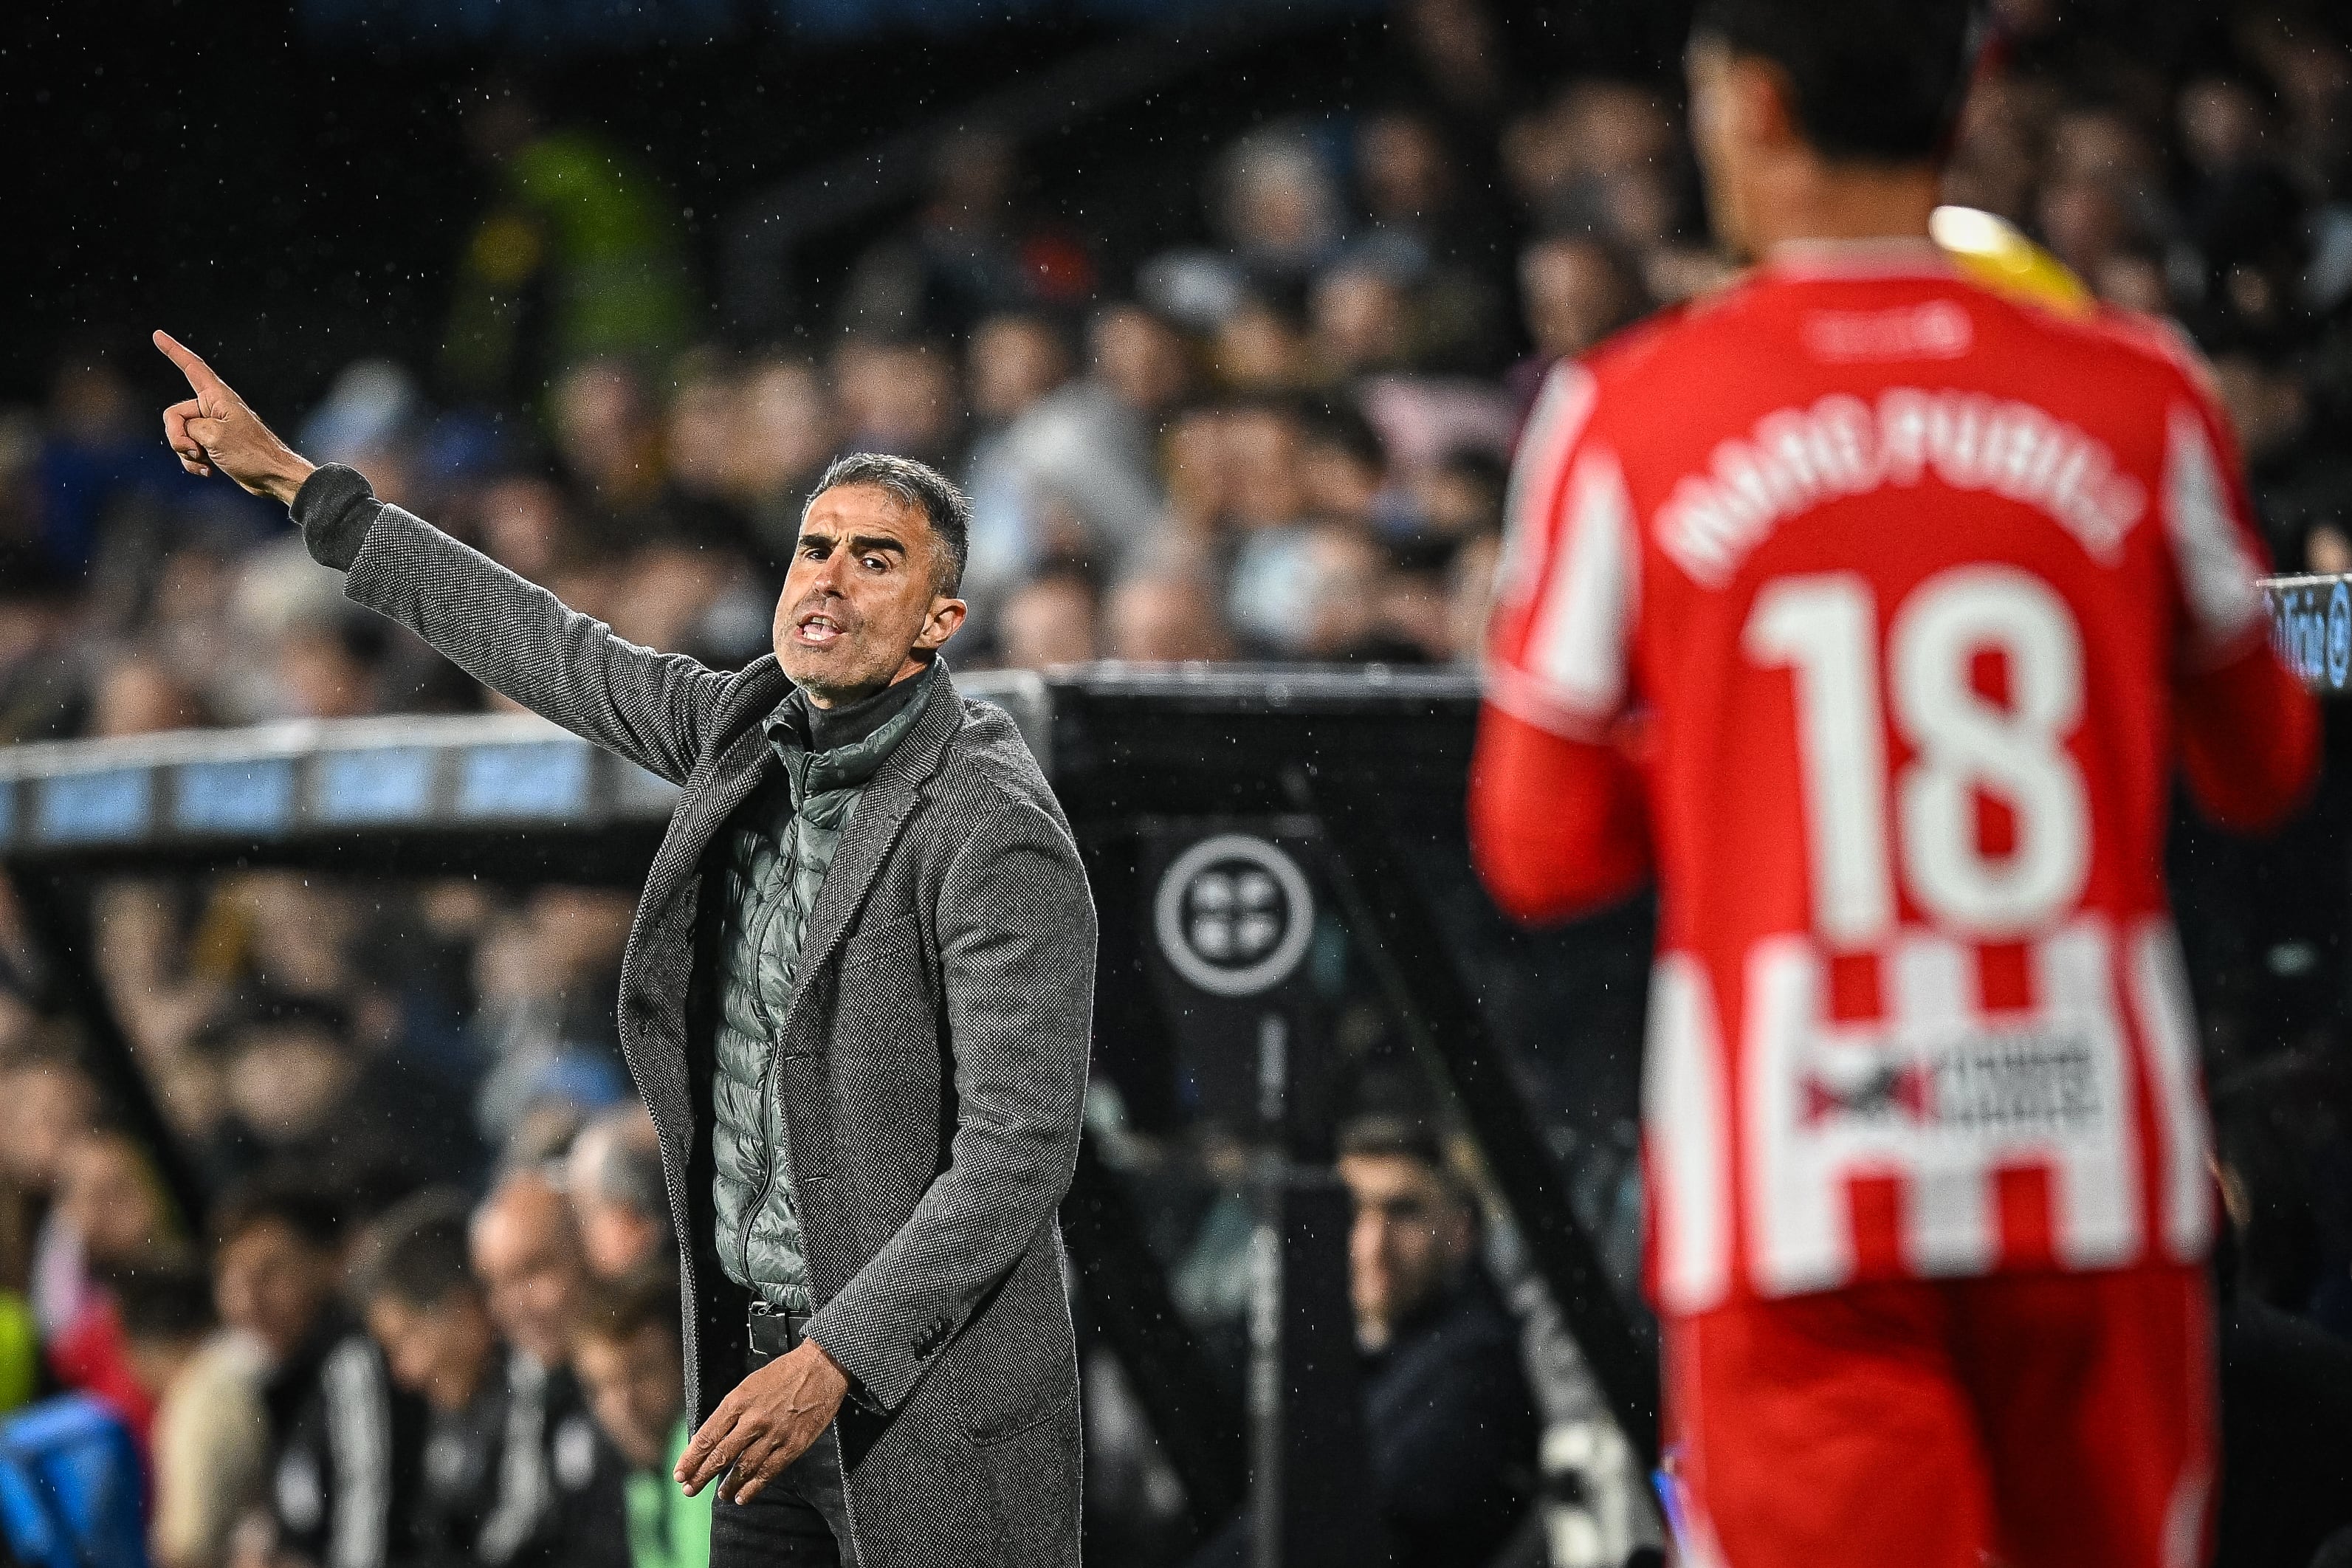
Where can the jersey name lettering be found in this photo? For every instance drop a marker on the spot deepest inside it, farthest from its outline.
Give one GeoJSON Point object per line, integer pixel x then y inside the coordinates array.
{"type": "Point", "coordinates": [1796, 458]}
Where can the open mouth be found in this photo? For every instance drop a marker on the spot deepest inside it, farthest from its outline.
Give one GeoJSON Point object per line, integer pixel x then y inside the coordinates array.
{"type": "Point", "coordinates": [818, 630]}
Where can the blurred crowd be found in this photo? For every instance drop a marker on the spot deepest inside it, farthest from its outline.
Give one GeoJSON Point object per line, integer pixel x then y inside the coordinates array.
{"type": "Point", "coordinates": [1282, 435]}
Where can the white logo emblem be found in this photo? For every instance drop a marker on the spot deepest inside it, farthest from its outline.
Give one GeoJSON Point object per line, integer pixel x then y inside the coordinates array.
{"type": "Point", "coordinates": [1233, 914]}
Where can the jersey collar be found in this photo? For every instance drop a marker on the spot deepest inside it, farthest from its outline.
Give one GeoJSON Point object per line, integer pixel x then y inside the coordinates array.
{"type": "Point", "coordinates": [1894, 257]}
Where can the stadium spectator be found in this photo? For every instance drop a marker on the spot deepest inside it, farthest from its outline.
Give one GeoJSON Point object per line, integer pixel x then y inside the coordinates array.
{"type": "Point", "coordinates": [628, 1359]}
{"type": "Point", "coordinates": [613, 1179]}
{"type": "Point", "coordinates": [1446, 1406]}
{"type": "Point", "coordinates": [577, 258]}
{"type": "Point", "coordinates": [210, 1439]}
{"type": "Point", "coordinates": [487, 1498]}
{"type": "Point", "coordinates": [527, 1255]}
{"type": "Point", "coordinates": [1050, 620]}
{"type": "Point", "coordinates": [1168, 615]}
{"type": "Point", "coordinates": [345, 1448]}
{"type": "Point", "coordinates": [110, 1215]}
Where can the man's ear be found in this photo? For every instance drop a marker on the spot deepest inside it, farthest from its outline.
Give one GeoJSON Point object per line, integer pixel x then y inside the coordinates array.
{"type": "Point", "coordinates": [1761, 102]}
{"type": "Point", "coordinates": [946, 615]}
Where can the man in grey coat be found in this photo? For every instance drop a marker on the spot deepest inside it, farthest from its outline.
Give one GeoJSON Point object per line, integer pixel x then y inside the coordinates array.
{"type": "Point", "coordinates": [857, 1000]}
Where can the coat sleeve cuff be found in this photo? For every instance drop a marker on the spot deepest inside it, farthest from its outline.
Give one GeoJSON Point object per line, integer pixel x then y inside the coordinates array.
{"type": "Point", "coordinates": [335, 506]}
{"type": "Point", "coordinates": [878, 1382]}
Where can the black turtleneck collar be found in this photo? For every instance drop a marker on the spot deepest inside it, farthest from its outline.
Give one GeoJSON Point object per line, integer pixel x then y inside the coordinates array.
{"type": "Point", "coordinates": [830, 729]}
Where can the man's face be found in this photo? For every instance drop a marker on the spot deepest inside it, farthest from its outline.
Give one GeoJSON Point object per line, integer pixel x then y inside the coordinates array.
{"type": "Point", "coordinates": [528, 1258]}
{"type": "Point", "coordinates": [271, 1283]}
{"type": "Point", "coordinates": [861, 599]}
{"type": "Point", "coordinates": [1409, 1237]}
{"type": "Point", "coordinates": [440, 1352]}
{"type": "Point", "coordinates": [636, 1386]}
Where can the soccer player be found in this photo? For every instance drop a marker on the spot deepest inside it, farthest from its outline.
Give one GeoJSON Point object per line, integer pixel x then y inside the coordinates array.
{"type": "Point", "coordinates": [1874, 610]}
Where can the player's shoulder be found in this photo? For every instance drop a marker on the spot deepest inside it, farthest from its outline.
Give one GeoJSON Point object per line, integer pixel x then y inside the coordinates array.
{"type": "Point", "coordinates": [2150, 350]}
{"type": "Point", "coordinates": [1685, 344]}
{"type": "Point", "coordinates": [1658, 343]}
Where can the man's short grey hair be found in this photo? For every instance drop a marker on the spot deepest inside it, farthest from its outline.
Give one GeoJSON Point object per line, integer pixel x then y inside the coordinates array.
{"type": "Point", "coordinates": [921, 486]}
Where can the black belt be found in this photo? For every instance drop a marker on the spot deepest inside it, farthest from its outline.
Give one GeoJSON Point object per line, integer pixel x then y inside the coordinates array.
{"type": "Point", "coordinates": [774, 1331]}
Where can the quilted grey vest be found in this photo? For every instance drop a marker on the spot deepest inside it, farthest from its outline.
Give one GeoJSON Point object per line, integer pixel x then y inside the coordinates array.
{"type": "Point", "coordinates": [772, 859]}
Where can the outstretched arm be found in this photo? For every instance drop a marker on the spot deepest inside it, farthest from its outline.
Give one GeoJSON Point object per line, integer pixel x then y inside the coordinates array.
{"type": "Point", "coordinates": [512, 635]}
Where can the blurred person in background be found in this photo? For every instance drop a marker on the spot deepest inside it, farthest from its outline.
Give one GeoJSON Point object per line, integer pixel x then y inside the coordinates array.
{"type": "Point", "coordinates": [627, 1354]}
{"type": "Point", "coordinates": [1446, 1405]}
{"type": "Point", "coordinates": [1277, 211]}
{"type": "Point", "coordinates": [1574, 291]}
{"type": "Point", "coordinates": [111, 1213]}
{"type": "Point", "coordinates": [1343, 473]}
{"type": "Point", "coordinates": [139, 693]}
{"type": "Point", "coordinates": [1166, 615]}
{"type": "Point", "coordinates": [1049, 620]}
{"type": "Point", "coordinates": [1265, 519]}
{"type": "Point", "coordinates": [543, 975]}
{"type": "Point", "coordinates": [1073, 470]}
{"type": "Point", "coordinates": [1932, 1290]}
{"type": "Point", "coordinates": [46, 1103]}
{"type": "Point", "coordinates": [1359, 322]}
{"type": "Point", "coordinates": [699, 430]}
{"type": "Point", "coordinates": [613, 1177]}
{"type": "Point", "coordinates": [1260, 349]}
{"type": "Point", "coordinates": [1416, 194]}
{"type": "Point", "coordinates": [975, 249]}
{"type": "Point", "coordinates": [1348, 602]}
{"type": "Point", "coordinates": [786, 431]}
{"type": "Point", "coordinates": [345, 1447]}
{"type": "Point", "coordinates": [93, 466]}
{"type": "Point", "coordinates": [209, 1444]}
{"type": "Point", "coordinates": [577, 259]}
{"type": "Point", "coordinates": [524, 522]}
{"type": "Point", "coordinates": [527, 1254]}
{"type": "Point", "coordinates": [486, 1501]}
{"type": "Point", "coordinates": [327, 667]}
{"type": "Point", "coordinates": [900, 395]}
{"type": "Point", "coordinates": [610, 445]}
{"type": "Point", "coordinates": [301, 1083]}
{"type": "Point", "coordinates": [1012, 362]}
{"type": "Point", "coordinates": [38, 689]}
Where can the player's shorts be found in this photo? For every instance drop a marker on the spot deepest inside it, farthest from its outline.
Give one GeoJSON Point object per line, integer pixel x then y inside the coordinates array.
{"type": "Point", "coordinates": [2029, 1420]}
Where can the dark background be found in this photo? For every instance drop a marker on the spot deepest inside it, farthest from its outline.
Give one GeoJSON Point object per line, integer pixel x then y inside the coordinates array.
{"type": "Point", "coordinates": [289, 189]}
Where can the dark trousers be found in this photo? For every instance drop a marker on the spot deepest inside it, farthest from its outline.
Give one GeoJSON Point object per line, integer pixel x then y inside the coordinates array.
{"type": "Point", "coordinates": [797, 1521]}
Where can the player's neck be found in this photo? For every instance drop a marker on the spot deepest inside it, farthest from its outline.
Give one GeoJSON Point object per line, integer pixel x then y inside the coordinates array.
{"type": "Point", "coordinates": [1807, 202]}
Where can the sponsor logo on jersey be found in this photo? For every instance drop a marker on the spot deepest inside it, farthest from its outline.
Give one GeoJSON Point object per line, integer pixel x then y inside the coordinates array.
{"type": "Point", "coordinates": [1939, 329]}
{"type": "Point", "coordinates": [2004, 1082]}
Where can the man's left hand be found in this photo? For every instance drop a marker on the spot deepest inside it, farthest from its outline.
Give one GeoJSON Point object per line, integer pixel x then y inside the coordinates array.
{"type": "Point", "coordinates": [768, 1421]}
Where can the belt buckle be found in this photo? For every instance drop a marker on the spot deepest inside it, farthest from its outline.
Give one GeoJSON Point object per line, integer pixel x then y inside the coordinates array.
{"type": "Point", "coordinates": [779, 1338]}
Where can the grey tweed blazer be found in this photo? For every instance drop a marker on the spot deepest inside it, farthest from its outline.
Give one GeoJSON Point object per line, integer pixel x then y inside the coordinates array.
{"type": "Point", "coordinates": [934, 1060]}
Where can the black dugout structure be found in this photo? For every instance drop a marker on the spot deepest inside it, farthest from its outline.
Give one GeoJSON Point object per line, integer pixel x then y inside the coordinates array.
{"type": "Point", "coordinates": [1289, 922]}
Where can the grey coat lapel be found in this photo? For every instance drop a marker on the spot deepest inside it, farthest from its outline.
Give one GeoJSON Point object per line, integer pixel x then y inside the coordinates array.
{"type": "Point", "coordinates": [882, 810]}
{"type": "Point", "coordinates": [660, 956]}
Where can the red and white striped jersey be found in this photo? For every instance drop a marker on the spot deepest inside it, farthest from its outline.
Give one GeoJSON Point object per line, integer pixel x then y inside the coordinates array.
{"type": "Point", "coordinates": [1898, 576]}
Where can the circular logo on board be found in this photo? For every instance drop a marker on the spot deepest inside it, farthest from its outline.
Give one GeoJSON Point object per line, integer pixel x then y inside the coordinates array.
{"type": "Point", "coordinates": [1233, 914]}
{"type": "Point", "coordinates": [2339, 636]}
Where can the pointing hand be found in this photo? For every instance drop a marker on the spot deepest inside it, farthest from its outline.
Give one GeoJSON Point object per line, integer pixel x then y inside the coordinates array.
{"type": "Point", "coordinates": [214, 429]}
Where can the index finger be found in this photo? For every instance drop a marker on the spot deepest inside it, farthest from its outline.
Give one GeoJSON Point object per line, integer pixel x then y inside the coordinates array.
{"type": "Point", "coordinates": [703, 1458]}
{"type": "Point", "coordinates": [200, 375]}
